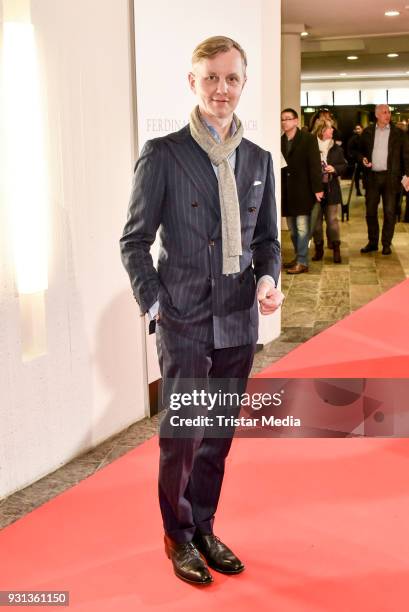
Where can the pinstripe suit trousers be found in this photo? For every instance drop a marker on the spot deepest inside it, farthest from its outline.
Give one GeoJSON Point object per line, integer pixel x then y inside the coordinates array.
{"type": "Point", "coordinates": [191, 468]}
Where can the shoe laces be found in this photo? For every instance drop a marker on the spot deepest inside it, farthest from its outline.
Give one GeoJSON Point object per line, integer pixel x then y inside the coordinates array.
{"type": "Point", "coordinates": [190, 549]}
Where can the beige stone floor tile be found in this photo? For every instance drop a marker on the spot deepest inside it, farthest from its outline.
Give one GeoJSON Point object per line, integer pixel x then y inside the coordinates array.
{"type": "Point", "coordinates": [335, 312]}
{"type": "Point", "coordinates": [360, 262]}
{"type": "Point", "coordinates": [364, 277]}
{"type": "Point", "coordinates": [300, 303]}
{"type": "Point", "coordinates": [362, 294]}
{"type": "Point", "coordinates": [295, 334]}
{"type": "Point", "coordinates": [301, 318]}
{"type": "Point", "coordinates": [389, 283]}
{"type": "Point", "coordinates": [320, 326]}
{"type": "Point", "coordinates": [337, 297]}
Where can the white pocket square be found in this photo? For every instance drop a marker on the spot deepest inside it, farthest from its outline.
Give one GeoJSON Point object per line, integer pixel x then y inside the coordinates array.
{"type": "Point", "coordinates": [256, 183]}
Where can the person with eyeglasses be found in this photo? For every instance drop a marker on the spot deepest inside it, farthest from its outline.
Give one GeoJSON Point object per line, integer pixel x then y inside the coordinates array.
{"type": "Point", "coordinates": [301, 186]}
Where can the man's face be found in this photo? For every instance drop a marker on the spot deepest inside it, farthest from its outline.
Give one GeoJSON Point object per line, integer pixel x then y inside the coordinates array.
{"type": "Point", "coordinates": [358, 130]}
{"type": "Point", "coordinates": [218, 83]}
{"type": "Point", "coordinates": [288, 122]}
{"type": "Point", "coordinates": [383, 114]}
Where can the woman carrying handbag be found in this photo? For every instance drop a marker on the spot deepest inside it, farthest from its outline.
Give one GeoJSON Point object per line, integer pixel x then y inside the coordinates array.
{"type": "Point", "coordinates": [333, 164]}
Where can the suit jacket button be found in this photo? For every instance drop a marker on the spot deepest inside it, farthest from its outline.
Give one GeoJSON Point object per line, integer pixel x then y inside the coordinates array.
{"type": "Point", "coordinates": [195, 204]}
{"type": "Point", "coordinates": [252, 209]}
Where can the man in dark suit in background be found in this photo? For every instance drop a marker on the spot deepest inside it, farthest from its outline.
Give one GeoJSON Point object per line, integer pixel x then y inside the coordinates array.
{"type": "Point", "coordinates": [301, 187]}
{"type": "Point", "coordinates": [210, 192]}
{"type": "Point", "coordinates": [385, 155]}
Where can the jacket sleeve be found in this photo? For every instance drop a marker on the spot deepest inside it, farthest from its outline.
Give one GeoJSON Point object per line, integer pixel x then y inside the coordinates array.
{"type": "Point", "coordinates": [265, 244]}
{"type": "Point", "coordinates": [364, 145]}
{"type": "Point", "coordinates": [338, 160]}
{"type": "Point", "coordinates": [405, 154]}
{"type": "Point", "coordinates": [314, 163]}
{"type": "Point", "coordinates": [144, 218]}
{"type": "Point", "coordinates": [353, 149]}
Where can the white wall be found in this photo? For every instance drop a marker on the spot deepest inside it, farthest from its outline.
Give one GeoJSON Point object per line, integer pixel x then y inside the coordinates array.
{"type": "Point", "coordinates": [90, 383]}
{"type": "Point", "coordinates": [166, 34]}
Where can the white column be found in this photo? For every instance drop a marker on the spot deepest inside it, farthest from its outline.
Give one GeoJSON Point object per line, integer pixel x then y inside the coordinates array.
{"type": "Point", "coordinates": [291, 65]}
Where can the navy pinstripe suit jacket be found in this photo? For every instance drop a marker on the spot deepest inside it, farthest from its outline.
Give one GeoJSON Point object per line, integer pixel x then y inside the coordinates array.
{"type": "Point", "coordinates": [175, 190]}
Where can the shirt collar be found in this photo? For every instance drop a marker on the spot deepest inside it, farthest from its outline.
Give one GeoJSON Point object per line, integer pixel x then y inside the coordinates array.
{"type": "Point", "coordinates": [214, 133]}
{"type": "Point", "coordinates": [387, 127]}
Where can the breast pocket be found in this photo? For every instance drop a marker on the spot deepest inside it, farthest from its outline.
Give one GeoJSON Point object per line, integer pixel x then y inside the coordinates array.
{"type": "Point", "coordinates": [251, 205]}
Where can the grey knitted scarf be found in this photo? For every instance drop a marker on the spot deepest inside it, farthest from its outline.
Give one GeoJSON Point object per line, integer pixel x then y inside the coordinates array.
{"type": "Point", "coordinates": [229, 201]}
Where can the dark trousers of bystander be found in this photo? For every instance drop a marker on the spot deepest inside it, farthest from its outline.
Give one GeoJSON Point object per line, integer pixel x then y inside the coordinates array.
{"type": "Point", "coordinates": [379, 185]}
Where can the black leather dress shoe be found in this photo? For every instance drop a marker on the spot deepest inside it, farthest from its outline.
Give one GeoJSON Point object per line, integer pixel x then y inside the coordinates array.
{"type": "Point", "coordinates": [369, 247]}
{"type": "Point", "coordinates": [386, 250]}
{"type": "Point", "coordinates": [218, 556]}
{"type": "Point", "coordinates": [187, 562]}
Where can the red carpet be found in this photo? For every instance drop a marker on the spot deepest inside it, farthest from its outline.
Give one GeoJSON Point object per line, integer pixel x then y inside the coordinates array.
{"type": "Point", "coordinates": [372, 342]}
{"type": "Point", "coordinates": [320, 523]}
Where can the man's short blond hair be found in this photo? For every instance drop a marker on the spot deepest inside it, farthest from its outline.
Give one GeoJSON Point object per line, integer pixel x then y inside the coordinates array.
{"type": "Point", "coordinates": [217, 44]}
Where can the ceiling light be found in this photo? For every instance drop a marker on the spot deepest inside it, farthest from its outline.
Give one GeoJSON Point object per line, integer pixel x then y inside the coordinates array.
{"type": "Point", "coordinates": [392, 13]}
{"type": "Point", "coordinates": [305, 34]}
{"type": "Point", "coordinates": [352, 57]}
{"type": "Point", "coordinates": [342, 74]}
{"type": "Point", "coordinates": [393, 55]}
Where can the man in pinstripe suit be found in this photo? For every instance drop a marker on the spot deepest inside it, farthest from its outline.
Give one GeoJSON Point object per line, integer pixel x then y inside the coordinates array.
{"type": "Point", "coordinates": [210, 193]}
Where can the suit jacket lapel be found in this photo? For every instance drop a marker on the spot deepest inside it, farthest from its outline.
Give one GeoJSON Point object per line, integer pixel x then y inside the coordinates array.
{"type": "Point", "coordinates": [198, 167]}
{"type": "Point", "coordinates": [296, 141]}
{"type": "Point", "coordinates": [244, 177]}
{"type": "Point", "coordinates": [391, 141]}
{"type": "Point", "coordinates": [372, 141]}
{"type": "Point", "coordinates": [196, 164]}
{"type": "Point", "coordinates": [283, 146]}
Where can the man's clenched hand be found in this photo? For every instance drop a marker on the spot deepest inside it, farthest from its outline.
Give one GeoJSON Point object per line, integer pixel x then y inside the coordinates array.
{"type": "Point", "coordinates": [269, 298]}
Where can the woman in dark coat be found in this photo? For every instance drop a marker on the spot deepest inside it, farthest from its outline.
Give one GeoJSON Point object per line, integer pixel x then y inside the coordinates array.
{"type": "Point", "coordinates": [333, 164]}
{"type": "Point", "coordinates": [325, 113]}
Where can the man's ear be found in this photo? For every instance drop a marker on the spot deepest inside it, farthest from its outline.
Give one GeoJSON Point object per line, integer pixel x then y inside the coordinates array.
{"type": "Point", "coordinates": [192, 81]}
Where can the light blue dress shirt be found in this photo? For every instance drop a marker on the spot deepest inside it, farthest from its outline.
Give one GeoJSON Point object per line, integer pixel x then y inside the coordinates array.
{"type": "Point", "coordinates": [380, 148]}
